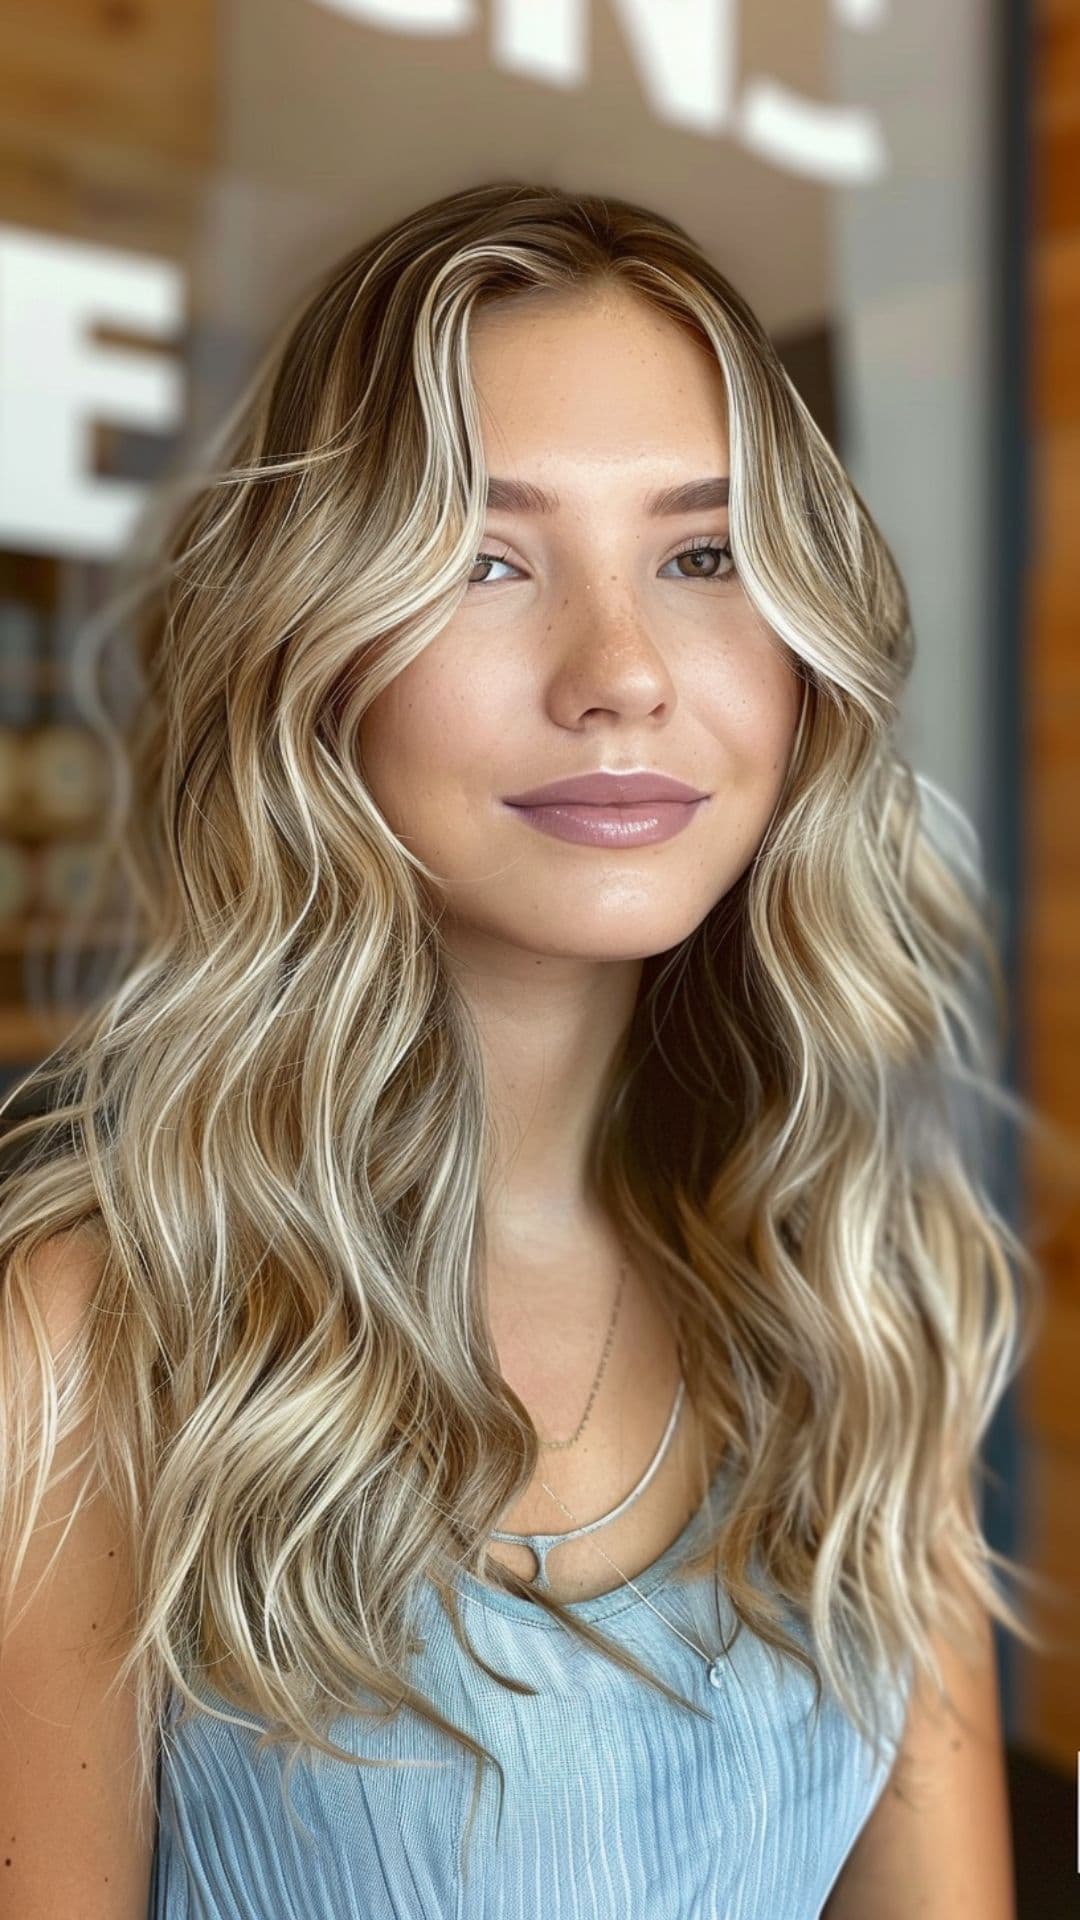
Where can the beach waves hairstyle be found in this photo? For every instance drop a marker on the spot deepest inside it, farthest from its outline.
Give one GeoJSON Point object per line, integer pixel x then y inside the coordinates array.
{"type": "Point", "coordinates": [271, 1123]}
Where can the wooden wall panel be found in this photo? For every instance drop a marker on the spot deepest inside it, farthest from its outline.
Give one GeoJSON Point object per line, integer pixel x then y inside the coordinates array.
{"type": "Point", "coordinates": [108, 117]}
{"type": "Point", "coordinates": [1050, 1694]}
{"type": "Point", "coordinates": [1050, 1387]}
{"type": "Point", "coordinates": [121, 74]}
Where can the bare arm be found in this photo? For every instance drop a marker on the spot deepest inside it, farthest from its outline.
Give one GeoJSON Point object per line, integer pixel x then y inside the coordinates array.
{"type": "Point", "coordinates": [938, 1845]}
{"type": "Point", "coordinates": [67, 1844]}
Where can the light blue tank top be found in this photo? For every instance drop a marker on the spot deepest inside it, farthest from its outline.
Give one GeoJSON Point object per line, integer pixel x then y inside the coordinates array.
{"type": "Point", "coordinates": [619, 1805]}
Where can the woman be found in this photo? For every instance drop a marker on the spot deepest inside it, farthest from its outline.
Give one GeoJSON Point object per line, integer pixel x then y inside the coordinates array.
{"type": "Point", "coordinates": [461, 1158]}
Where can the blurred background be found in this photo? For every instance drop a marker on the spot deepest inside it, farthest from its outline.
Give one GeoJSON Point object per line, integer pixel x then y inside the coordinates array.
{"type": "Point", "coordinates": [896, 189]}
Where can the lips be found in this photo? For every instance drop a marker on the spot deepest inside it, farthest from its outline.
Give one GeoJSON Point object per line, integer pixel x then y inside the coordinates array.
{"type": "Point", "coordinates": [606, 790]}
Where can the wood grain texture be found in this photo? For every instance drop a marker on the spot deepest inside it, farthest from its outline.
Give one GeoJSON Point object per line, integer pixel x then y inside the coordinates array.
{"type": "Point", "coordinates": [1050, 1386]}
{"type": "Point", "coordinates": [127, 74]}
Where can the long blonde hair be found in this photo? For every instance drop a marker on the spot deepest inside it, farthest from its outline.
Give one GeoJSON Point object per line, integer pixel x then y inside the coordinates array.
{"type": "Point", "coordinates": [272, 1119]}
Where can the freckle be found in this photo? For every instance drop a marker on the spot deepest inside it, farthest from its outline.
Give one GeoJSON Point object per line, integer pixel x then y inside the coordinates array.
{"type": "Point", "coordinates": [84, 1766]}
{"type": "Point", "coordinates": [111, 1550]}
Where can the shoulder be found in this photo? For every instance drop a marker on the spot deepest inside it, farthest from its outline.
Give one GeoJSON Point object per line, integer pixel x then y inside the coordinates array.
{"type": "Point", "coordinates": [47, 1295]}
{"type": "Point", "coordinates": [80, 1823]}
{"type": "Point", "coordinates": [62, 1274]}
{"type": "Point", "coordinates": [938, 1841]}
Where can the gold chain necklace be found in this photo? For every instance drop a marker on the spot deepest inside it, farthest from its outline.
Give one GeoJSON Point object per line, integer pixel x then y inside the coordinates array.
{"type": "Point", "coordinates": [714, 1667]}
{"type": "Point", "coordinates": [554, 1446]}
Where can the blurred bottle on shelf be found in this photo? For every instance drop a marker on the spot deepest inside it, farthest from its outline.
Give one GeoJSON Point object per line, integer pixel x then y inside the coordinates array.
{"type": "Point", "coordinates": [17, 880]}
{"type": "Point", "coordinates": [53, 776]}
{"type": "Point", "coordinates": [22, 634]}
{"type": "Point", "coordinates": [70, 877]}
{"type": "Point", "coordinates": [63, 778]}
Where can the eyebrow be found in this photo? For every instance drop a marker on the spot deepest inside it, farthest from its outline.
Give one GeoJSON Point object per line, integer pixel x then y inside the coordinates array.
{"type": "Point", "coordinates": [692, 496]}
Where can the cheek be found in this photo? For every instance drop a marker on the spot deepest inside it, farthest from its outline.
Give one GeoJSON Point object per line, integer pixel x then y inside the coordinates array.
{"type": "Point", "coordinates": [778, 716]}
{"type": "Point", "coordinates": [445, 714]}
{"type": "Point", "coordinates": [754, 714]}
{"type": "Point", "coordinates": [417, 746]}
{"type": "Point", "coordinates": [396, 727]}
{"type": "Point", "coordinates": [387, 750]}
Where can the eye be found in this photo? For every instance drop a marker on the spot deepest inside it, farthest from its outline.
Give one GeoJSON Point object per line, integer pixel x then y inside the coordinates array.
{"type": "Point", "coordinates": [488, 560]}
{"type": "Point", "coordinates": [721, 548]}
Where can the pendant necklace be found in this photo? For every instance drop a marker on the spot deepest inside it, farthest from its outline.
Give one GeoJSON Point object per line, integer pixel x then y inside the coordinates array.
{"type": "Point", "coordinates": [714, 1667]}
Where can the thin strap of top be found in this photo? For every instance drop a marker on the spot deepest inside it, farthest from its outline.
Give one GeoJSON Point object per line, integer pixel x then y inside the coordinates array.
{"type": "Point", "coordinates": [542, 1543]}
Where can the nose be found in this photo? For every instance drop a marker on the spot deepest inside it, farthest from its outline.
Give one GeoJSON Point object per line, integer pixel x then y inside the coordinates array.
{"type": "Point", "coordinates": [609, 663]}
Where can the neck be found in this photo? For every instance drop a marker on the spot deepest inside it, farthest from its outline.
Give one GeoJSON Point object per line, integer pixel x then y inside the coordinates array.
{"type": "Point", "coordinates": [550, 1029]}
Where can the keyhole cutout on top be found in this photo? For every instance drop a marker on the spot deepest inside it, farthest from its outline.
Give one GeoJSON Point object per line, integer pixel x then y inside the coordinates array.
{"type": "Point", "coordinates": [540, 1544]}
{"type": "Point", "coordinates": [516, 1557]}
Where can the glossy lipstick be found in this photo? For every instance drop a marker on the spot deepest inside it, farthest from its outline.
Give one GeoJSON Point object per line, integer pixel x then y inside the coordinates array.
{"type": "Point", "coordinates": [610, 809]}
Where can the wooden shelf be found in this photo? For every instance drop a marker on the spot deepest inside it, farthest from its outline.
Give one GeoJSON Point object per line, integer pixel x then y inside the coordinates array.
{"type": "Point", "coordinates": [17, 935]}
{"type": "Point", "coordinates": [39, 676]}
{"type": "Point", "coordinates": [27, 1034]}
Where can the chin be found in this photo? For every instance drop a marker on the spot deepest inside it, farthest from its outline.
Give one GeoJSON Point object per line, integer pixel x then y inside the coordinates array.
{"type": "Point", "coordinates": [603, 943]}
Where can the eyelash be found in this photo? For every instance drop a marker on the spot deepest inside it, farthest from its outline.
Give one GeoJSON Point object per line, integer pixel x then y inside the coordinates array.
{"type": "Point", "coordinates": [722, 547]}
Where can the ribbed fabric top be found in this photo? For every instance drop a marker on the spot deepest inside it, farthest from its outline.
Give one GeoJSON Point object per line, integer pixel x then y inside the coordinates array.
{"type": "Point", "coordinates": [619, 1804]}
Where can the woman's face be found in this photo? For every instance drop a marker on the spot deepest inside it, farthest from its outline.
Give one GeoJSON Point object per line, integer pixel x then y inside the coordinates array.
{"type": "Point", "coordinates": [585, 643]}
